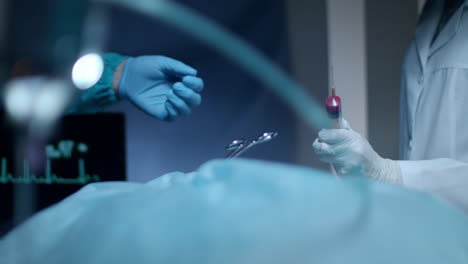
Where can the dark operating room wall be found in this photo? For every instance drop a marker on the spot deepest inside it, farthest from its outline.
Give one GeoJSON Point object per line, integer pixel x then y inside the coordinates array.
{"type": "Point", "coordinates": [234, 104]}
{"type": "Point", "coordinates": [390, 26]}
{"type": "Point", "coordinates": [308, 49]}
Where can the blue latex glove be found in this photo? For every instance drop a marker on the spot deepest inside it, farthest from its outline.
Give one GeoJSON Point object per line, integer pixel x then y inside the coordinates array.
{"type": "Point", "coordinates": [161, 87]}
{"type": "Point", "coordinates": [351, 153]}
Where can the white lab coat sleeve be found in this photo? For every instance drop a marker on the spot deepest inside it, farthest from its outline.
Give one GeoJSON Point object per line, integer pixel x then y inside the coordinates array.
{"type": "Point", "coordinates": [446, 178]}
{"type": "Point", "coordinates": [403, 133]}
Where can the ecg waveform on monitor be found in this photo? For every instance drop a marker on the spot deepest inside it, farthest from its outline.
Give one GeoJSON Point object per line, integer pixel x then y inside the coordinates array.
{"type": "Point", "coordinates": [48, 178]}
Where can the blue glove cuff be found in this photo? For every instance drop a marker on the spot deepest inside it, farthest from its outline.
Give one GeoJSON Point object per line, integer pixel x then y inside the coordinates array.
{"type": "Point", "coordinates": [122, 89]}
{"type": "Point", "coordinates": [111, 62]}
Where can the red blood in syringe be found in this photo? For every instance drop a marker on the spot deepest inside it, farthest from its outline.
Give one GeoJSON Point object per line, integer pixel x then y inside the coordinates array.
{"type": "Point", "coordinates": [333, 105]}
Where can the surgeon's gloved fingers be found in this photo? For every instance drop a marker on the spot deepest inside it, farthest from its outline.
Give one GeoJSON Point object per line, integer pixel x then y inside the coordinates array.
{"type": "Point", "coordinates": [188, 95]}
{"type": "Point", "coordinates": [334, 159]}
{"type": "Point", "coordinates": [179, 105]}
{"type": "Point", "coordinates": [172, 113]}
{"type": "Point", "coordinates": [345, 171]}
{"type": "Point", "coordinates": [327, 158]}
{"type": "Point", "coordinates": [345, 124]}
{"type": "Point", "coordinates": [175, 68]}
{"type": "Point", "coordinates": [334, 136]}
{"type": "Point", "coordinates": [159, 111]}
{"type": "Point", "coordinates": [322, 148]}
{"type": "Point", "coordinates": [193, 83]}
{"type": "Point", "coordinates": [123, 88]}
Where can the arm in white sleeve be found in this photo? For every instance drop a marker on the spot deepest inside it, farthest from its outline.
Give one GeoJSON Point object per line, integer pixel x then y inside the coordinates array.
{"type": "Point", "coordinates": [446, 178]}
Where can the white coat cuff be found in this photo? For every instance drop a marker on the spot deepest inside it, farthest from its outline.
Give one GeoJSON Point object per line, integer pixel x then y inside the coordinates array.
{"type": "Point", "coordinates": [410, 174]}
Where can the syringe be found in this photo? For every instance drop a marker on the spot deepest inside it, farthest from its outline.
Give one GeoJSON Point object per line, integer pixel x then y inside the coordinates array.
{"type": "Point", "coordinates": [333, 105]}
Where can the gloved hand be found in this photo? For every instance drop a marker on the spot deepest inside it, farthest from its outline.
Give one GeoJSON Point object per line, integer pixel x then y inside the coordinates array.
{"type": "Point", "coordinates": [162, 87]}
{"type": "Point", "coordinates": [351, 153]}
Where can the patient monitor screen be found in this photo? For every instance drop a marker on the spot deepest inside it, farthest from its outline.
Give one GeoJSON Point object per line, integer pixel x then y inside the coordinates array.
{"type": "Point", "coordinates": [84, 149]}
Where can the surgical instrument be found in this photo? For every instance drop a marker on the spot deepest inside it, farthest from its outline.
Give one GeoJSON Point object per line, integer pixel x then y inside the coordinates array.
{"type": "Point", "coordinates": [234, 146]}
{"type": "Point", "coordinates": [240, 146]}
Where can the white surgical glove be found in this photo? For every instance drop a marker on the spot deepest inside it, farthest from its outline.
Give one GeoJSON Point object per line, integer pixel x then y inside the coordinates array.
{"type": "Point", "coordinates": [351, 153]}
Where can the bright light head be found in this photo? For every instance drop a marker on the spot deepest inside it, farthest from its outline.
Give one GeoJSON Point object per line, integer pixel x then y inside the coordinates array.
{"type": "Point", "coordinates": [87, 71]}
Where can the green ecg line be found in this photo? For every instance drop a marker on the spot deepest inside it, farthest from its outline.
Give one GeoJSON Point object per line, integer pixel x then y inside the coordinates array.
{"type": "Point", "coordinates": [49, 177]}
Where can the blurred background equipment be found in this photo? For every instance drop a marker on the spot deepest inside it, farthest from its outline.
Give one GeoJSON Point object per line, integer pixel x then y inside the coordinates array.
{"type": "Point", "coordinates": [41, 42]}
{"type": "Point", "coordinates": [84, 149]}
